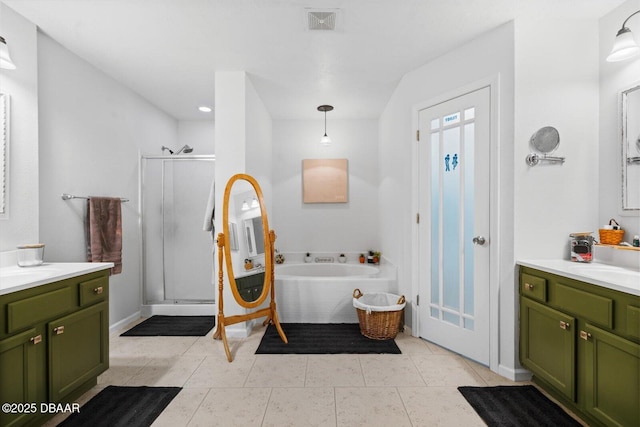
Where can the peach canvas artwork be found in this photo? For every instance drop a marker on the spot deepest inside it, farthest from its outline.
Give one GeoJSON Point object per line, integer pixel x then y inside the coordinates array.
{"type": "Point", "coordinates": [324, 180]}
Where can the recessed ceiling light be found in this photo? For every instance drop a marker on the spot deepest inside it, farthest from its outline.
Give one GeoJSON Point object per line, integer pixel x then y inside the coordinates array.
{"type": "Point", "coordinates": [205, 109]}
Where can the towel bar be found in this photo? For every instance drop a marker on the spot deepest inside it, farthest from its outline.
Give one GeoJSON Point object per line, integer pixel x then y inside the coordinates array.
{"type": "Point", "coordinates": [66, 196]}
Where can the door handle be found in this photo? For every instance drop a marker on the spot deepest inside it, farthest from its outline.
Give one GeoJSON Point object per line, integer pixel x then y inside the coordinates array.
{"type": "Point", "coordinates": [479, 240]}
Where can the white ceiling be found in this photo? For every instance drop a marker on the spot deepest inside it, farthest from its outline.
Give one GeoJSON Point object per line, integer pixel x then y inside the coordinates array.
{"type": "Point", "coordinates": [169, 50]}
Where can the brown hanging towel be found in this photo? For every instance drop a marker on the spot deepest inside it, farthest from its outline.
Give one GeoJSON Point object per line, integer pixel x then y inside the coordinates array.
{"type": "Point", "coordinates": [104, 231]}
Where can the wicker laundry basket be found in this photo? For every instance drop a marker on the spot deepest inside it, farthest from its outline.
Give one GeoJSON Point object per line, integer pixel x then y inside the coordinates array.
{"type": "Point", "coordinates": [379, 314]}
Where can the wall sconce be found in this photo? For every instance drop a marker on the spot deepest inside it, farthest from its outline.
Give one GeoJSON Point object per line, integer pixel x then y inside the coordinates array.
{"type": "Point", "coordinates": [624, 46]}
{"type": "Point", "coordinates": [325, 140]}
{"type": "Point", "coordinates": [5, 59]}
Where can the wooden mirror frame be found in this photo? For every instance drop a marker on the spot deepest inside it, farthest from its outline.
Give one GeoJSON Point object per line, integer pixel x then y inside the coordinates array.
{"type": "Point", "coordinates": [224, 251]}
{"type": "Point", "coordinates": [268, 243]}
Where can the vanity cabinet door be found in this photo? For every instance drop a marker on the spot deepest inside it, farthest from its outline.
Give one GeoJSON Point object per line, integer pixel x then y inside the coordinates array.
{"type": "Point", "coordinates": [78, 349]}
{"type": "Point", "coordinates": [610, 370]}
{"type": "Point", "coordinates": [547, 345]}
{"type": "Point", "coordinates": [20, 376]}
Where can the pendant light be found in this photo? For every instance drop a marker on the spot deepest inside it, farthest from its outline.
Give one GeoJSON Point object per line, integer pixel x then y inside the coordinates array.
{"type": "Point", "coordinates": [325, 140]}
{"type": "Point", "coordinates": [5, 59]}
{"type": "Point", "coordinates": [624, 46]}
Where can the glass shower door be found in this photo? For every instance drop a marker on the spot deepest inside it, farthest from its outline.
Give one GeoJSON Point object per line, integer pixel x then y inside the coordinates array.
{"type": "Point", "coordinates": [177, 252]}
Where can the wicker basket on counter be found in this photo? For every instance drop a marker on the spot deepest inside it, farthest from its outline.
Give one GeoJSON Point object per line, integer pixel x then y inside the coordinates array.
{"type": "Point", "coordinates": [611, 237]}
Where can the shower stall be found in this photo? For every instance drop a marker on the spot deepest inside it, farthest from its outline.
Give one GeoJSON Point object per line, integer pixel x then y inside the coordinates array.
{"type": "Point", "coordinates": [177, 253]}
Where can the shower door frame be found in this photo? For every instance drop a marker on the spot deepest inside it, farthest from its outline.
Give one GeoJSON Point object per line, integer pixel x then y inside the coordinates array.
{"type": "Point", "coordinates": [143, 272]}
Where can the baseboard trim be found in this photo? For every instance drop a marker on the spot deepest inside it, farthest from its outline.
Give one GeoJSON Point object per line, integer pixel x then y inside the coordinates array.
{"type": "Point", "coordinates": [519, 374]}
{"type": "Point", "coordinates": [124, 322]}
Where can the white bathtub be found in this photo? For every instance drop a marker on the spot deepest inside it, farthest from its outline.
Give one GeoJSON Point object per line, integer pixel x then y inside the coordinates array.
{"type": "Point", "coordinates": [323, 293]}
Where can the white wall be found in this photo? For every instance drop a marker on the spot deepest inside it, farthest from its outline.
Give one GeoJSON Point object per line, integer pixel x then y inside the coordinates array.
{"type": "Point", "coordinates": [614, 77]}
{"type": "Point", "coordinates": [92, 129]}
{"type": "Point", "coordinates": [487, 56]}
{"type": "Point", "coordinates": [556, 66]}
{"type": "Point", "coordinates": [20, 226]}
{"type": "Point", "coordinates": [258, 133]}
{"type": "Point", "coordinates": [199, 134]}
{"type": "Point", "coordinates": [242, 140]}
{"type": "Point", "coordinates": [334, 227]}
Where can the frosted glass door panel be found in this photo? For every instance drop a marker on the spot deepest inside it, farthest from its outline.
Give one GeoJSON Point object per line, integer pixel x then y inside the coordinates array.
{"type": "Point", "coordinates": [454, 191]}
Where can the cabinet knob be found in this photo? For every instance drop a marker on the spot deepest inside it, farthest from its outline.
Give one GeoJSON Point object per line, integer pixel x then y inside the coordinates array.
{"type": "Point", "coordinates": [98, 290]}
{"type": "Point", "coordinates": [528, 286]}
{"type": "Point", "coordinates": [36, 340]}
{"type": "Point", "coordinates": [58, 330]}
{"type": "Point", "coordinates": [564, 325]}
{"type": "Point", "coordinates": [585, 335]}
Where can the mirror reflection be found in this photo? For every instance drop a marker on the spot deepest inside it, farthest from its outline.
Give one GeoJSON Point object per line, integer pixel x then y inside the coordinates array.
{"type": "Point", "coordinates": [631, 148]}
{"type": "Point", "coordinates": [246, 241]}
{"type": "Point", "coordinates": [247, 252]}
{"type": "Point", "coordinates": [4, 142]}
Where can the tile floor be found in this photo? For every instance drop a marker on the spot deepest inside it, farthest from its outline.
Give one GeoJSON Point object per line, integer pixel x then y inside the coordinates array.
{"type": "Point", "coordinates": [416, 388]}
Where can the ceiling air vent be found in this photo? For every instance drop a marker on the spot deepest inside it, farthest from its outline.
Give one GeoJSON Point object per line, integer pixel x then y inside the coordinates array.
{"type": "Point", "coordinates": [321, 19]}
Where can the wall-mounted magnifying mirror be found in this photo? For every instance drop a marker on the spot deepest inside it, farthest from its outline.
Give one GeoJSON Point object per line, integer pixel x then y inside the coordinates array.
{"type": "Point", "coordinates": [543, 143]}
{"type": "Point", "coordinates": [248, 255]}
{"type": "Point", "coordinates": [630, 99]}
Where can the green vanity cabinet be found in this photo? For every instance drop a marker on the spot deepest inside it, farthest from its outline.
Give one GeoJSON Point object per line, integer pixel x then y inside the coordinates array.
{"type": "Point", "coordinates": [549, 345]}
{"type": "Point", "coordinates": [77, 349]}
{"type": "Point", "coordinates": [22, 378]}
{"type": "Point", "coordinates": [582, 344]}
{"type": "Point", "coordinates": [54, 342]}
{"type": "Point", "coordinates": [611, 372]}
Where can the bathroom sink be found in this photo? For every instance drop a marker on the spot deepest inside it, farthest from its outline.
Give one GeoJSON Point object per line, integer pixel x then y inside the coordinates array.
{"type": "Point", "coordinates": [610, 274]}
{"type": "Point", "coordinates": [13, 276]}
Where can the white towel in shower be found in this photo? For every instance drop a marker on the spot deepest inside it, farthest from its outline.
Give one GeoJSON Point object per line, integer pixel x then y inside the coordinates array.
{"type": "Point", "coordinates": [210, 213]}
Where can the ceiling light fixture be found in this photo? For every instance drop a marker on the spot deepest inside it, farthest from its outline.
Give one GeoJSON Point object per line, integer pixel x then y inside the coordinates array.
{"type": "Point", "coordinates": [205, 109]}
{"type": "Point", "coordinates": [5, 59]}
{"type": "Point", "coordinates": [325, 140]}
{"type": "Point", "coordinates": [624, 46]}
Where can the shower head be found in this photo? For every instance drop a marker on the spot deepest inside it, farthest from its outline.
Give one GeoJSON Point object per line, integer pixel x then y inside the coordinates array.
{"type": "Point", "coordinates": [184, 149]}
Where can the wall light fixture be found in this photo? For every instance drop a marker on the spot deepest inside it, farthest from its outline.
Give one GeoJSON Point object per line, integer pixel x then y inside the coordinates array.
{"type": "Point", "coordinates": [5, 59]}
{"type": "Point", "coordinates": [624, 46]}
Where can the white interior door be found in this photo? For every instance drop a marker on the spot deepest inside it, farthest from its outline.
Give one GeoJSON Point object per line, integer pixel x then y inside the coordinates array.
{"type": "Point", "coordinates": [454, 235]}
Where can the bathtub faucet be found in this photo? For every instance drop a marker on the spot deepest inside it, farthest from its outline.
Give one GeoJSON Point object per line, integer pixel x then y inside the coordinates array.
{"type": "Point", "coordinates": [324, 259]}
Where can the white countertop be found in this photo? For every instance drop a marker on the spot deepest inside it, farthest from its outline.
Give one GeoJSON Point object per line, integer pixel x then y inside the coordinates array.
{"type": "Point", "coordinates": [608, 276]}
{"type": "Point", "coordinates": [14, 278]}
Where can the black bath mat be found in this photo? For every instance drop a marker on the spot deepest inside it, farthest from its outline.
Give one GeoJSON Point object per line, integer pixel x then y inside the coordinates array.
{"type": "Point", "coordinates": [516, 406]}
{"type": "Point", "coordinates": [172, 326]}
{"type": "Point", "coordinates": [123, 407]}
{"type": "Point", "coordinates": [316, 338]}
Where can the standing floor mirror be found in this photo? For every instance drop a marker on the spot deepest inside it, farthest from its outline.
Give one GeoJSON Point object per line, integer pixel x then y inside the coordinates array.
{"type": "Point", "coordinates": [245, 249]}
